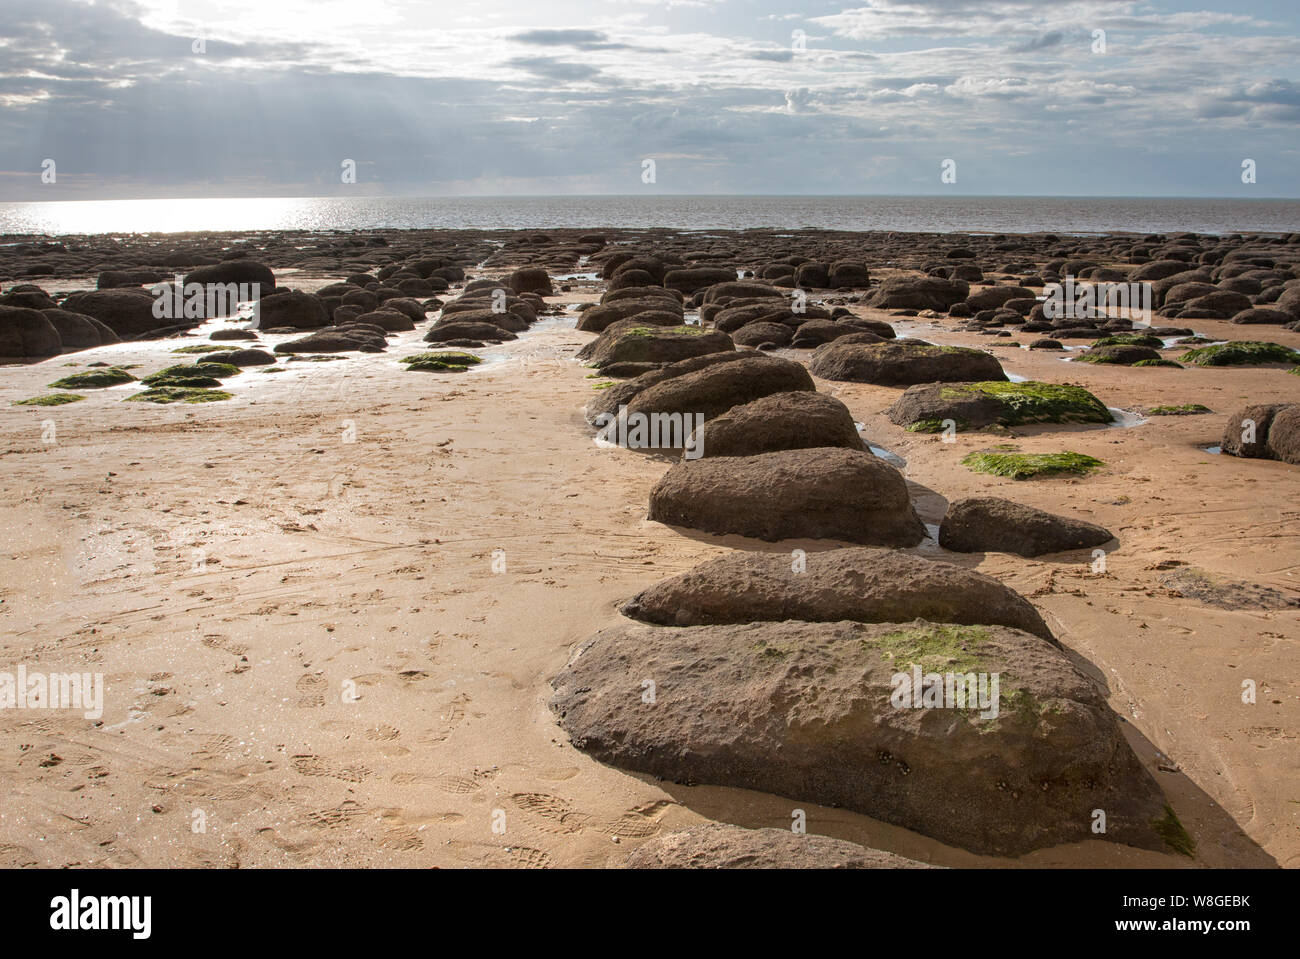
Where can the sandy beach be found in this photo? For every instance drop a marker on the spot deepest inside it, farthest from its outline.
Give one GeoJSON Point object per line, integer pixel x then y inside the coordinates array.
{"type": "Point", "coordinates": [329, 610]}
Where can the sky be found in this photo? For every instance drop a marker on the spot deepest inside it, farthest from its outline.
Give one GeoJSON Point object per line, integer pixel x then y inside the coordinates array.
{"type": "Point", "coordinates": [224, 98]}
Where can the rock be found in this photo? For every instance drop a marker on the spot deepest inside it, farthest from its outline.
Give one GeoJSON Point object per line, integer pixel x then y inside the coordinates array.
{"type": "Point", "coordinates": [302, 311]}
{"type": "Point", "coordinates": [239, 271]}
{"type": "Point", "coordinates": [1261, 315]}
{"type": "Point", "coordinates": [240, 357]}
{"type": "Point", "coordinates": [752, 334]}
{"type": "Point", "coordinates": [461, 330]}
{"type": "Point", "coordinates": [611, 399]}
{"type": "Point", "coordinates": [900, 363]}
{"type": "Point", "coordinates": [855, 584]}
{"type": "Point", "coordinates": [78, 331]}
{"type": "Point", "coordinates": [715, 389]}
{"type": "Point", "coordinates": [655, 344]}
{"type": "Point", "coordinates": [127, 312]}
{"type": "Point", "coordinates": [1268, 431]}
{"type": "Point", "coordinates": [33, 299]}
{"type": "Point", "coordinates": [723, 846]}
{"type": "Point", "coordinates": [780, 421]}
{"type": "Point", "coordinates": [391, 321]}
{"type": "Point", "coordinates": [1118, 354]}
{"type": "Point", "coordinates": [330, 342]}
{"type": "Point", "coordinates": [807, 711]}
{"type": "Point", "coordinates": [598, 318]}
{"type": "Point", "coordinates": [815, 333]}
{"type": "Point", "coordinates": [530, 279]}
{"type": "Point", "coordinates": [791, 494]}
{"type": "Point", "coordinates": [27, 335]}
{"type": "Point", "coordinates": [849, 274]}
{"type": "Point", "coordinates": [1219, 305]}
{"type": "Point", "coordinates": [924, 408]}
{"type": "Point", "coordinates": [741, 289]}
{"type": "Point", "coordinates": [694, 279]}
{"type": "Point", "coordinates": [995, 296]}
{"type": "Point", "coordinates": [987, 524]}
{"type": "Point", "coordinates": [232, 334]}
{"type": "Point", "coordinates": [812, 276]}
{"type": "Point", "coordinates": [919, 293]}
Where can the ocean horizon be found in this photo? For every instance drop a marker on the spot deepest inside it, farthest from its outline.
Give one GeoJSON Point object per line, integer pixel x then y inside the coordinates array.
{"type": "Point", "coordinates": [1076, 215]}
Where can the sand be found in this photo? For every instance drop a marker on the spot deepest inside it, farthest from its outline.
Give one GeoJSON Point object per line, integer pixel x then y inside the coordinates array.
{"type": "Point", "coordinates": [331, 653]}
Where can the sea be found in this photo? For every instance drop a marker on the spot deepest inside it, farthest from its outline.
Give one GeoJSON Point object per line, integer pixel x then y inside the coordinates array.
{"type": "Point", "coordinates": [926, 214]}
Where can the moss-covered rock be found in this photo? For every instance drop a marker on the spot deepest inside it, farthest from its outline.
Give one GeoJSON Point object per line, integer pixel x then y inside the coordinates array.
{"type": "Point", "coordinates": [1028, 465]}
{"type": "Point", "coordinates": [1119, 354]}
{"type": "Point", "coordinates": [1131, 339]}
{"type": "Point", "coordinates": [1162, 362]}
{"type": "Point", "coordinates": [198, 375]}
{"type": "Point", "coordinates": [1185, 409]}
{"type": "Point", "coordinates": [1242, 353]}
{"type": "Point", "coordinates": [179, 394]}
{"type": "Point", "coordinates": [50, 399]}
{"type": "Point", "coordinates": [441, 362]}
{"type": "Point", "coordinates": [94, 379]}
{"type": "Point", "coordinates": [924, 408]}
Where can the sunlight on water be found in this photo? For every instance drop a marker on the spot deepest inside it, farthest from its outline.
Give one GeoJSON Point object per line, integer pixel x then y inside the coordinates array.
{"type": "Point", "coordinates": [903, 213]}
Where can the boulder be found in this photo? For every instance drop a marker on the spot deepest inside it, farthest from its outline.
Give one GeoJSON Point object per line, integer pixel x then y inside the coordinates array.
{"type": "Point", "coordinates": [609, 401]}
{"type": "Point", "coordinates": [923, 408]}
{"type": "Point", "coordinates": [1262, 315]}
{"type": "Point", "coordinates": [78, 331]}
{"type": "Point", "coordinates": [919, 293]}
{"type": "Point", "coordinates": [819, 712]}
{"type": "Point", "coordinates": [900, 363]}
{"type": "Point", "coordinates": [986, 524]}
{"type": "Point", "coordinates": [240, 357]}
{"type": "Point", "coordinates": [597, 318]}
{"type": "Point", "coordinates": [791, 494]}
{"type": "Point", "coordinates": [1268, 431]}
{"type": "Point", "coordinates": [128, 312]}
{"type": "Point", "coordinates": [302, 311]}
{"type": "Point", "coordinates": [530, 279]}
{"type": "Point", "coordinates": [850, 274]}
{"type": "Point", "coordinates": [241, 271]}
{"type": "Point", "coordinates": [715, 389]}
{"type": "Point", "coordinates": [780, 421]}
{"type": "Point", "coordinates": [27, 335]}
{"type": "Point", "coordinates": [628, 342]}
{"type": "Point", "coordinates": [857, 584]}
{"type": "Point", "coordinates": [754, 334]}
{"type": "Point", "coordinates": [717, 845]}
{"type": "Point", "coordinates": [445, 332]}
{"type": "Point", "coordinates": [694, 279]}
{"type": "Point", "coordinates": [330, 342]}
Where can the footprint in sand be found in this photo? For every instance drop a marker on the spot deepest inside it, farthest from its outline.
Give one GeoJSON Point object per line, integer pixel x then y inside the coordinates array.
{"type": "Point", "coordinates": [383, 733]}
{"type": "Point", "coordinates": [308, 765]}
{"type": "Point", "coordinates": [638, 822]}
{"type": "Point", "coordinates": [485, 854]}
{"type": "Point", "coordinates": [335, 816]}
{"type": "Point", "coordinates": [402, 840]}
{"type": "Point", "coordinates": [312, 688]}
{"type": "Point", "coordinates": [452, 716]}
{"type": "Point", "coordinates": [553, 814]}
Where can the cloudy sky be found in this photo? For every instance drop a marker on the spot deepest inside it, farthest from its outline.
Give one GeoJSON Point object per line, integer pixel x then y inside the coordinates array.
{"type": "Point", "coordinates": [169, 98]}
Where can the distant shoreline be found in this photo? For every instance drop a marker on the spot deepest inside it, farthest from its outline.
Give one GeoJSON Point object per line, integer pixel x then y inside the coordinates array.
{"type": "Point", "coordinates": [1077, 216]}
